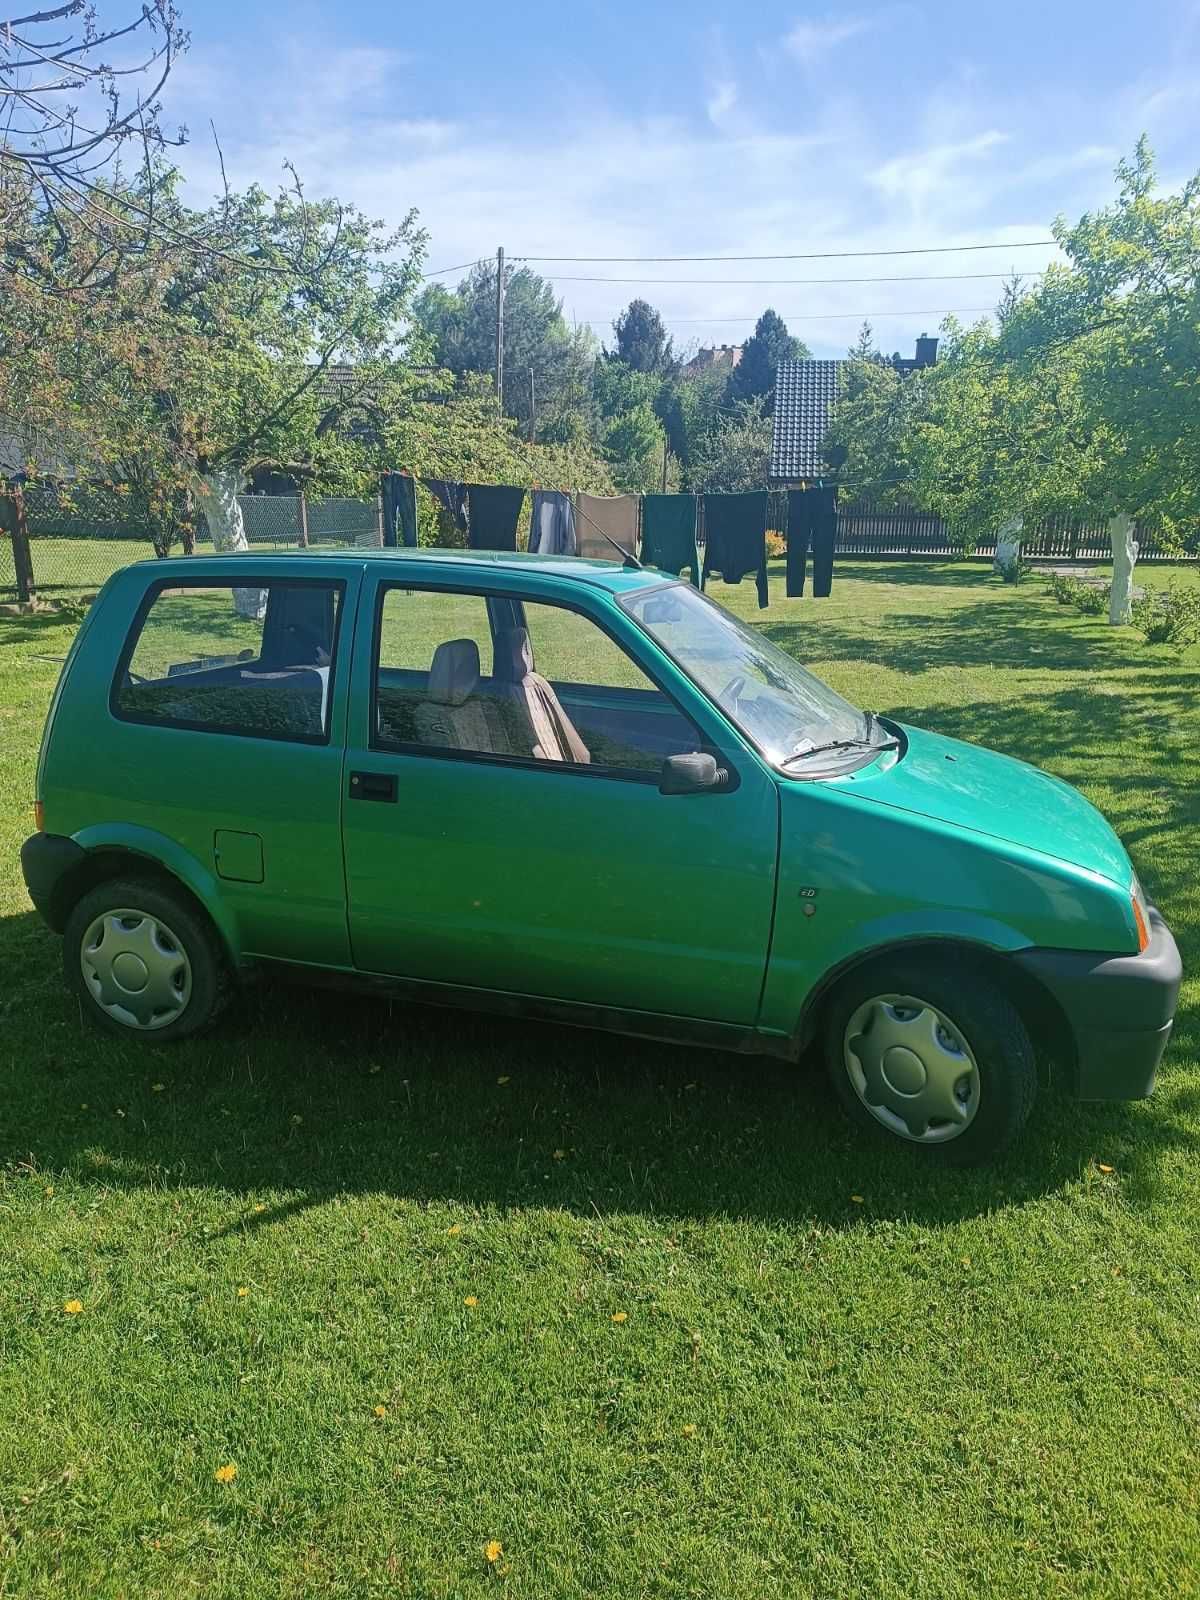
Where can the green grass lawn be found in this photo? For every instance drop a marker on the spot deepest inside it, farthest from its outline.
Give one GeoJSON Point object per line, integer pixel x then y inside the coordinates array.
{"type": "Point", "coordinates": [655, 1320]}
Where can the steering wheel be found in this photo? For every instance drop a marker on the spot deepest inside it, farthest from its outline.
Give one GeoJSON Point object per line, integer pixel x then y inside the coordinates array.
{"type": "Point", "coordinates": [728, 697]}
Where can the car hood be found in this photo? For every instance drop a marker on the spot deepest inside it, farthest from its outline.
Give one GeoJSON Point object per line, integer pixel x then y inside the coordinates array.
{"type": "Point", "coordinates": [967, 786]}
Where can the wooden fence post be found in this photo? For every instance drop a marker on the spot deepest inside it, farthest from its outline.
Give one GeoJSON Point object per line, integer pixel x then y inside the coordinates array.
{"type": "Point", "coordinates": [15, 523]}
{"type": "Point", "coordinates": [303, 521]}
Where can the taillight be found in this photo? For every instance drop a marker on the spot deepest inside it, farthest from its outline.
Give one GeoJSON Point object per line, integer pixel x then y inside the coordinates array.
{"type": "Point", "coordinates": [39, 817]}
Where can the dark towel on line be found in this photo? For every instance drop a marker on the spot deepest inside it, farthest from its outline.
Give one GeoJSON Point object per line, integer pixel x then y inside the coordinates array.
{"type": "Point", "coordinates": [495, 508]}
{"type": "Point", "coordinates": [812, 520]}
{"type": "Point", "coordinates": [552, 524]}
{"type": "Point", "coordinates": [453, 496]}
{"type": "Point", "coordinates": [669, 533]}
{"type": "Point", "coordinates": [399, 509]}
{"type": "Point", "coordinates": [735, 538]}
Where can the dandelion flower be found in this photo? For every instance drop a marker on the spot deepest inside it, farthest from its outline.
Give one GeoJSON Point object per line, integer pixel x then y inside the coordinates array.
{"type": "Point", "coordinates": [73, 1307]}
{"type": "Point", "coordinates": [226, 1474]}
{"type": "Point", "coordinates": [49, 1189]}
{"type": "Point", "coordinates": [243, 1292]}
{"type": "Point", "coordinates": [471, 1300]}
{"type": "Point", "coordinates": [620, 1316]}
{"type": "Point", "coordinates": [381, 1411]}
{"type": "Point", "coordinates": [689, 1429]}
{"type": "Point", "coordinates": [560, 1155]}
{"type": "Point", "coordinates": [455, 1230]}
{"type": "Point", "coordinates": [493, 1550]}
{"type": "Point", "coordinates": [258, 1208]}
{"type": "Point", "coordinates": [857, 1199]}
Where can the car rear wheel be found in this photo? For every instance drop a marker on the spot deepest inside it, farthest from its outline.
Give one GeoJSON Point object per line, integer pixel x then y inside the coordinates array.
{"type": "Point", "coordinates": [935, 1056]}
{"type": "Point", "coordinates": [143, 961]}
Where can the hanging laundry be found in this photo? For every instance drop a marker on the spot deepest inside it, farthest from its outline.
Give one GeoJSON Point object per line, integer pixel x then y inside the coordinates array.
{"type": "Point", "coordinates": [399, 509]}
{"type": "Point", "coordinates": [812, 523]}
{"type": "Point", "coordinates": [613, 514]}
{"type": "Point", "coordinates": [495, 510]}
{"type": "Point", "coordinates": [669, 534]}
{"type": "Point", "coordinates": [452, 495]}
{"type": "Point", "coordinates": [552, 524]}
{"type": "Point", "coordinates": [735, 538]}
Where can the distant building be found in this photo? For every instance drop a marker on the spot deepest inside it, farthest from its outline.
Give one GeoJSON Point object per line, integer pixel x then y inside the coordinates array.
{"type": "Point", "coordinates": [720, 355]}
{"type": "Point", "coordinates": [804, 395]}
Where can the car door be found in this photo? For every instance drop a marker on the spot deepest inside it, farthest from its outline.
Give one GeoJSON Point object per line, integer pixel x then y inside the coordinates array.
{"type": "Point", "coordinates": [223, 737]}
{"type": "Point", "coordinates": [479, 852]}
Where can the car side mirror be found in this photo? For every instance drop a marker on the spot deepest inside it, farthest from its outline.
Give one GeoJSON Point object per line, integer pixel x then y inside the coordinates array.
{"type": "Point", "coordinates": [691, 774]}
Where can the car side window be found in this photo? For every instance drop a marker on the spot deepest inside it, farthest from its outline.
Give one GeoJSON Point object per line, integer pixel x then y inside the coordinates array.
{"type": "Point", "coordinates": [221, 659]}
{"type": "Point", "coordinates": [460, 673]}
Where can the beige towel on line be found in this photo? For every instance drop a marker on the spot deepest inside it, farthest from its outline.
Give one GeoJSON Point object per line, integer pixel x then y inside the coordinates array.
{"type": "Point", "coordinates": [613, 514]}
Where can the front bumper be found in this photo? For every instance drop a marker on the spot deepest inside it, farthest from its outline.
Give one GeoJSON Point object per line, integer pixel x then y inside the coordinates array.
{"type": "Point", "coordinates": [46, 859]}
{"type": "Point", "coordinates": [1120, 1009]}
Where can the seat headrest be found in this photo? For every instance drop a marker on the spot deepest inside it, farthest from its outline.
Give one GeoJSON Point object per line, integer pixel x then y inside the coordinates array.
{"type": "Point", "coordinates": [514, 654]}
{"type": "Point", "coordinates": [454, 672]}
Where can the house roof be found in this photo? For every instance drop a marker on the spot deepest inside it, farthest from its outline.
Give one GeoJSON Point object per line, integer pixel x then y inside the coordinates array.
{"type": "Point", "coordinates": [804, 393]}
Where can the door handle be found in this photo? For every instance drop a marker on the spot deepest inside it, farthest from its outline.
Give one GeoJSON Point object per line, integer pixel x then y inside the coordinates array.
{"type": "Point", "coordinates": [372, 786]}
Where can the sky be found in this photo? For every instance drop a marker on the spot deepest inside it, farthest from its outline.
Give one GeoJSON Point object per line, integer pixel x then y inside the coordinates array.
{"type": "Point", "coordinates": [640, 130]}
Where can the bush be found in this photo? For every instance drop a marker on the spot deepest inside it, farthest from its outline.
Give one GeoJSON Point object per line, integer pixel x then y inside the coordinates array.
{"type": "Point", "coordinates": [1013, 570]}
{"type": "Point", "coordinates": [1064, 588]}
{"type": "Point", "coordinates": [776, 545]}
{"type": "Point", "coordinates": [1092, 599]}
{"type": "Point", "coordinates": [1170, 616]}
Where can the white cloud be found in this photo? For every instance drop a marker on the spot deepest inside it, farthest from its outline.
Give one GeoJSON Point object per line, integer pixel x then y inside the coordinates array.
{"type": "Point", "coordinates": [722, 99]}
{"type": "Point", "coordinates": [809, 41]}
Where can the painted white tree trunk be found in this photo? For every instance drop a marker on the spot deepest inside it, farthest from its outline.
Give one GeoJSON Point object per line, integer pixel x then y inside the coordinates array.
{"type": "Point", "coordinates": [1008, 544]}
{"type": "Point", "coordinates": [217, 496]}
{"type": "Point", "coordinates": [1125, 554]}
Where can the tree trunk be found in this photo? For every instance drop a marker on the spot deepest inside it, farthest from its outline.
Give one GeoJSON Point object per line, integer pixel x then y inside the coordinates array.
{"type": "Point", "coordinates": [1008, 547]}
{"type": "Point", "coordinates": [217, 496]}
{"type": "Point", "coordinates": [1125, 554]}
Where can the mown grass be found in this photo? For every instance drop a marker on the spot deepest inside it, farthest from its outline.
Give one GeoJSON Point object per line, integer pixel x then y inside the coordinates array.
{"type": "Point", "coordinates": [836, 1375]}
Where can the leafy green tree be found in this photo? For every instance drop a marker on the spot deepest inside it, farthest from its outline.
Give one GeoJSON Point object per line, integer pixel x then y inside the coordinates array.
{"type": "Point", "coordinates": [460, 326]}
{"type": "Point", "coordinates": [754, 376]}
{"type": "Point", "coordinates": [642, 341]}
{"type": "Point", "coordinates": [736, 454]}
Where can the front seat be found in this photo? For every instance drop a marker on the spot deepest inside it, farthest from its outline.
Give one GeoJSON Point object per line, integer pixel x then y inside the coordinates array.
{"type": "Point", "coordinates": [555, 737]}
{"type": "Point", "coordinates": [455, 716]}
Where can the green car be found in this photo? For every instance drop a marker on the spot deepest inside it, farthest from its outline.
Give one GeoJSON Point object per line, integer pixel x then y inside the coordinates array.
{"type": "Point", "coordinates": [577, 791]}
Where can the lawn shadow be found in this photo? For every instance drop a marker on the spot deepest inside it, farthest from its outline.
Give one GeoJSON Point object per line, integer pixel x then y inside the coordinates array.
{"type": "Point", "coordinates": [317, 1094]}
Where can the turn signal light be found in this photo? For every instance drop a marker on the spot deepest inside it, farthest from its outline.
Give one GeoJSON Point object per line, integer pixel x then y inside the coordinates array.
{"type": "Point", "coordinates": [39, 817]}
{"type": "Point", "coordinates": [1139, 916]}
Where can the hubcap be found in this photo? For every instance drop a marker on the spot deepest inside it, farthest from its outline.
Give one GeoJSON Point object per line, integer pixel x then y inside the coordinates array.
{"type": "Point", "coordinates": [136, 969]}
{"type": "Point", "coordinates": [912, 1068]}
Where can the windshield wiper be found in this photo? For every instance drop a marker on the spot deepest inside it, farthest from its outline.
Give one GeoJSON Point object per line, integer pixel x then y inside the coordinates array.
{"type": "Point", "coordinates": [840, 744]}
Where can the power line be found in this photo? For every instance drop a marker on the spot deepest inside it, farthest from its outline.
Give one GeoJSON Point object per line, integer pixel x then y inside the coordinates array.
{"type": "Point", "coordinates": [936, 277]}
{"type": "Point", "coordinates": [443, 271]}
{"type": "Point", "coordinates": [813, 255]}
{"type": "Point", "coordinates": [829, 316]}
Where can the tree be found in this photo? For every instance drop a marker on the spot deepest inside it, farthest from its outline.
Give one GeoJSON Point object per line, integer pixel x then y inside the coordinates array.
{"type": "Point", "coordinates": [754, 376]}
{"type": "Point", "coordinates": [736, 455]}
{"type": "Point", "coordinates": [461, 330]}
{"type": "Point", "coordinates": [642, 341]}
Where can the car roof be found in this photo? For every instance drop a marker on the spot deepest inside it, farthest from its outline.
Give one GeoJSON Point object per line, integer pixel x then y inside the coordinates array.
{"type": "Point", "coordinates": [613, 576]}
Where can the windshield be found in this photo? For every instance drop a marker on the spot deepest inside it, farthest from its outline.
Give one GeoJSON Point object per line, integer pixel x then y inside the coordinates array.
{"type": "Point", "coordinates": [780, 706]}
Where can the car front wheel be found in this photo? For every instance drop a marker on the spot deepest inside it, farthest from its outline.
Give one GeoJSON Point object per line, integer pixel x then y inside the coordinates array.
{"type": "Point", "coordinates": [937, 1057]}
{"type": "Point", "coordinates": [143, 961]}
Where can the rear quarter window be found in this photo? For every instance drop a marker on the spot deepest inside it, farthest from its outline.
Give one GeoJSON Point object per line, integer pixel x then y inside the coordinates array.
{"type": "Point", "coordinates": [253, 659]}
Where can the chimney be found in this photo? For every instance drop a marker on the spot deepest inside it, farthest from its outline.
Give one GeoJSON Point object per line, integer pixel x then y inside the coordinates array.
{"type": "Point", "coordinates": [926, 351]}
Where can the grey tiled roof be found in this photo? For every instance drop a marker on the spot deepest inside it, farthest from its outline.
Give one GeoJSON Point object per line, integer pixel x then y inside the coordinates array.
{"type": "Point", "coordinates": [804, 392]}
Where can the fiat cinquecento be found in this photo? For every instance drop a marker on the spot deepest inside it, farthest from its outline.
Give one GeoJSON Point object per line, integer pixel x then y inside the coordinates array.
{"type": "Point", "coordinates": [583, 792]}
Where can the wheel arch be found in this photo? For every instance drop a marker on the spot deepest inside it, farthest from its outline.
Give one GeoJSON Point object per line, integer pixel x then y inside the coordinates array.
{"type": "Point", "coordinates": [1041, 1013]}
{"type": "Point", "coordinates": [179, 874]}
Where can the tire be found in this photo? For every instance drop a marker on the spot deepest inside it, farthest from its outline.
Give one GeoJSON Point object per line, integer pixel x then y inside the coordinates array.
{"type": "Point", "coordinates": [144, 962]}
{"type": "Point", "coordinates": [935, 1057]}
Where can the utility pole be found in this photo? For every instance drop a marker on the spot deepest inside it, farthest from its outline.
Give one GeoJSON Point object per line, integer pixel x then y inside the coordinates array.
{"type": "Point", "coordinates": [500, 329]}
{"type": "Point", "coordinates": [532, 410]}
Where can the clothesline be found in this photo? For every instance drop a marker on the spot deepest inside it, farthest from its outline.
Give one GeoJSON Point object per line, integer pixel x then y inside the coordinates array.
{"type": "Point", "coordinates": [731, 527]}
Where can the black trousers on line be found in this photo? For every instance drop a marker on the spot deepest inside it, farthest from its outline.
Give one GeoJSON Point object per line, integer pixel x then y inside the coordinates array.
{"type": "Point", "coordinates": [812, 522]}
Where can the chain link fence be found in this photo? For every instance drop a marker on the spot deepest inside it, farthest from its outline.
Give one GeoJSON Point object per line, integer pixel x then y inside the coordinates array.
{"type": "Point", "coordinates": [78, 540]}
